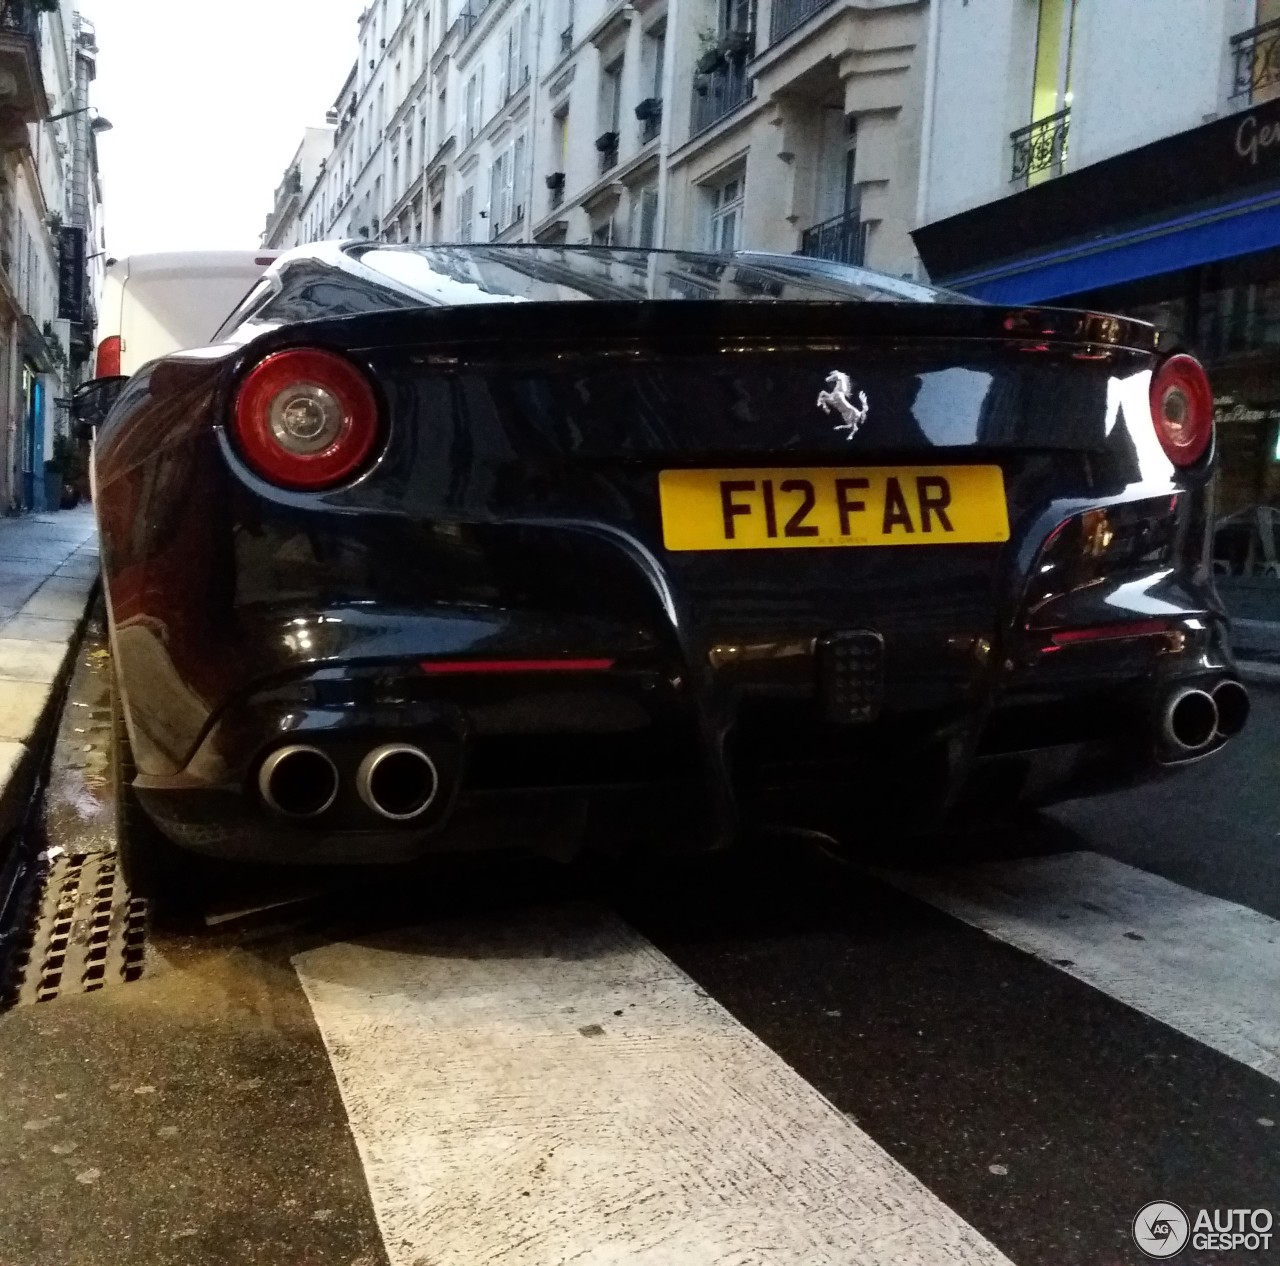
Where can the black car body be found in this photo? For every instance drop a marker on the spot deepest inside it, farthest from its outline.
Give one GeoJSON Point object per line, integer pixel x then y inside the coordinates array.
{"type": "Point", "coordinates": [490, 599]}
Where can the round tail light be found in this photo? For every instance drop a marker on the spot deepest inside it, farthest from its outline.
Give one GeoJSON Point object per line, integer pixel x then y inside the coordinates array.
{"type": "Point", "coordinates": [1182, 409]}
{"type": "Point", "coordinates": [306, 419]}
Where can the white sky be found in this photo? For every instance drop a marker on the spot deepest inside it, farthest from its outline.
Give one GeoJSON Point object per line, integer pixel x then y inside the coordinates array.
{"type": "Point", "coordinates": [208, 103]}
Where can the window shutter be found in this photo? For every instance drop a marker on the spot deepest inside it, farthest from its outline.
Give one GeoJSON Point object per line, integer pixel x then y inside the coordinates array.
{"type": "Point", "coordinates": [517, 178]}
{"type": "Point", "coordinates": [504, 64]}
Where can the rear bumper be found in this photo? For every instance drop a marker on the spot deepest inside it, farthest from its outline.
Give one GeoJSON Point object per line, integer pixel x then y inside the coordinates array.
{"type": "Point", "coordinates": [652, 755]}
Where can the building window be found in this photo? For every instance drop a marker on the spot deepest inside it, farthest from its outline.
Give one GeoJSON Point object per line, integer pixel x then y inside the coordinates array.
{"type": "Point", "coordinates": [1040, 149]}
{"type": "Point", "coordinates": [500, 193]}
{"type": "Point", "coordinates": [655, 49]}
{"type": "Point", "coordinates": [611, 97]}
{"type": "Point", "coordinates": [1054, 36]}
{"type": "Point", "coordinates": [643, 217]}
{"type": "Point", "coordinates": [473, 106]}
{"type": "Point", "coordinates": [522, 50]}
{"type": "Point", "coordinates": [466, 212]}
{"type": "Point", "coordinates": [517, 177]}
{"type": "Point", "coordinates": [560, 139]}
{"type": "Point", "coordinates": [725, 205]}
{"type": "Point", "coordinates": [513, 58]}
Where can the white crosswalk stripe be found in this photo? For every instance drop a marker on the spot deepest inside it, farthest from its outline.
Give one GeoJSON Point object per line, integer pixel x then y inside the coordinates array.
{"type": "Point", "coordinates": [1206, 967]}
{"type": "Point", "coordinates": [552, 1089]}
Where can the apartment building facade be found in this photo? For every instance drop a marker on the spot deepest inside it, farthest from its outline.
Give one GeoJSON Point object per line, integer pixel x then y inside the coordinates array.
{"type": "Point", "coordinates": [285, 226]}
{"type": "Point", "coordinates": [1077, 177]}
{"type": "Point", "coordinates": [50, 236]}
{"type": "Point", "coordinates": [781, 125]}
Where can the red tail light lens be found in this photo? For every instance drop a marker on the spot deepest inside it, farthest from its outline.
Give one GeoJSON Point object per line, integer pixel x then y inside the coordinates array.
{"type": "Point", "coordinates": [306, 419]}
{"type": "Point", "coordinates": [1182, 409]}
{"type": "Point", "coordinates": [107, 362]}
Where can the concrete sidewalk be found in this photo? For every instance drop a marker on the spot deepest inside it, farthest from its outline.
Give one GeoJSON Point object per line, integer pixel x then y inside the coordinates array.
{"type": "Point", "coordinates": [48, 570]}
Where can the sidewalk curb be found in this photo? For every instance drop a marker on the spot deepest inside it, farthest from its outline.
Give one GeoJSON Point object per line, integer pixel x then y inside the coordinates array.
{"type": "Point", "coordinates": [18, 780]}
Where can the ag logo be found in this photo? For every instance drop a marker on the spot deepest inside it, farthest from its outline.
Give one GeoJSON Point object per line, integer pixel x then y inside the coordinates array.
{"type": "Point", "coordinates": [1161, 1229]}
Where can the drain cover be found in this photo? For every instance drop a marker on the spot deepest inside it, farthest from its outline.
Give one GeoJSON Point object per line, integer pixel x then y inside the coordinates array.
{"type": "Point", "coordinates": [84, 932]}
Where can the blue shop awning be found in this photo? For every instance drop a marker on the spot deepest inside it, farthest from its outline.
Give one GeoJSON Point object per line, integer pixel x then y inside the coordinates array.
{"type": "Point", "coordinates": [1200, 237]}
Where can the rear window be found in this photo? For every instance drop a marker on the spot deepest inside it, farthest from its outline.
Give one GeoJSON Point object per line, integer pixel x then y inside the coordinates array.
{"type": "Point", "coordinates": [453, 275]}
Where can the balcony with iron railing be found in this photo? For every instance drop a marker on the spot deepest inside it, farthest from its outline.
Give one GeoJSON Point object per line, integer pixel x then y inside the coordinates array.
{"type": "Point", "coordinates": [649, 112]}
{"type": "Point", "coordinates": [787, 15]}
{"type": "Point", "coordinates": [718, 92]}
{"type": "Point", "coordinates": [842, 238]}
{"type": "Point", "coordinates": [1040, 149]}
{"type": "Point", "coordinates": [1255, 61]}
{"type": "Point", "coordinates": [24, 100]}
{"type": "Point", "coordinates": [607, 145]}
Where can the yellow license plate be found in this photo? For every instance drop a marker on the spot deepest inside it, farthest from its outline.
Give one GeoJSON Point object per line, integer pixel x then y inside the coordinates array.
{"type": "Point", "coordinates": [831, 506]}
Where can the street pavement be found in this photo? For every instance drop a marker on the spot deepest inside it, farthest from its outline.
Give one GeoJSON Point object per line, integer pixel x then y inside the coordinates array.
{"type": "Point", "coordinates": [48, 567]}
{"type": "Point", "coordinates": [790, 1056]}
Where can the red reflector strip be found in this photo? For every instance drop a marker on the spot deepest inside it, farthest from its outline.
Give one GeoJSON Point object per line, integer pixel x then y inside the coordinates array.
{"type": "Point", "coordinates": [440, 666]}
{"type": "Point", "coordinates": [1109, 632]}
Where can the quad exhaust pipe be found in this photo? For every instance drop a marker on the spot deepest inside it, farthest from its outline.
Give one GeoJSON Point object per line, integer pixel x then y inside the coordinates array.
{"type": "Point", "coordinates": [298, 781]}
{"type": "Point", "coordinates": [398, 781]}
{"type": "Point", "coordinates": [1193, 719]}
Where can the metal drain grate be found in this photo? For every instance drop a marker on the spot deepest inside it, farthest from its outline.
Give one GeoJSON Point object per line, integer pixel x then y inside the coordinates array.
{"type": "Point", "coordinates": [84, 931]}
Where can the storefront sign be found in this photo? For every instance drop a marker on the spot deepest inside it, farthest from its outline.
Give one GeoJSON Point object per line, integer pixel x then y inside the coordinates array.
{"type": "Point", "coordinates": [71, 273]}
{"type": "Point", "coordinates": [1254, 139]}
{"type": "Point", "coordinates": [1227, 158]}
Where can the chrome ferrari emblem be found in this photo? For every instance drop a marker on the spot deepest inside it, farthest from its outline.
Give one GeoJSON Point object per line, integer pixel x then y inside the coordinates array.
{"type": "Point", "coordinates": [836, 397]}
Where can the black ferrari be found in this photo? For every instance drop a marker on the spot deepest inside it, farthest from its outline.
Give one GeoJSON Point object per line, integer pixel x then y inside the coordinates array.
{"type": "Point", "coordinates": [478, 546]}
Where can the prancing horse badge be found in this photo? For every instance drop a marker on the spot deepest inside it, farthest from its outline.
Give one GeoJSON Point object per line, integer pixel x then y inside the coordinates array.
{"type": "Point", "coordinates": [836, 397]}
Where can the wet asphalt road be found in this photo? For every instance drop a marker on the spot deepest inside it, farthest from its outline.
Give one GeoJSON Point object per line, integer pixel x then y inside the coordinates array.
{"type": "Point", "coordinates": [193, 1116]}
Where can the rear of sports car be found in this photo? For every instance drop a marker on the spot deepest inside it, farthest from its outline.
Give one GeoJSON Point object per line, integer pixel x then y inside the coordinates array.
{"type": "Point", "coordinates": [649, 571]}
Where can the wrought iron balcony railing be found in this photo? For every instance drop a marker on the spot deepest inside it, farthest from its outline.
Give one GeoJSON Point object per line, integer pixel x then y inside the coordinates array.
{"type": "Point", "coordinates": [607, 145]}
{"type": "Point", "coordinates": [1040, 147]}
{"type": "Point", "coordinates": [717, 93]}
{"type": "Point", "coordinates": [1255, 59]}
{"type": "Point", "coordinates": [21, 17]}
{"type": "Point", "coordinates": [789, 14]}
{"type": "Point", "coordinates": [843, 238]}
{"type": "Point", "coordinates": [649, 112]}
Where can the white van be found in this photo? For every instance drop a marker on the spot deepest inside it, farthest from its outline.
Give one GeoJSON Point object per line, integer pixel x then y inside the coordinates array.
{"type": "Point", "coordinates": [156, 304]}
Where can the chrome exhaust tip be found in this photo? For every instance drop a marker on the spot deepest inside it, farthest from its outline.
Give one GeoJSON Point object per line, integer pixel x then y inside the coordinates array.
{"type": "Point", "coordinates": [298, 781]}
{"type": "Point", "coordinates": [398, 781]}
{"type": "Point", "coordinates": [1190, 720]}
{"type": "Point", "coordinates": [1232, 701]}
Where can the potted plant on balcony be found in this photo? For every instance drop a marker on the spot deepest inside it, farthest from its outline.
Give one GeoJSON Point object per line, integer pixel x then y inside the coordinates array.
{"type": "Point", "coordinates": [649, 108]}
{"type": "Point", "coordinates": [711, 56]}
{"type": "Point", "coordinates": [555, 180]}
{"type": "Point", "coordinates": [735, 45]}
{"type": "Point", "coordinates": [607, 141]}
